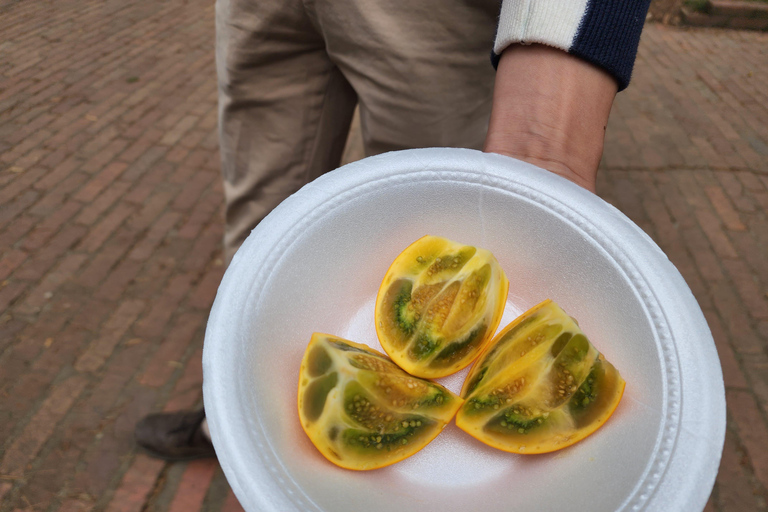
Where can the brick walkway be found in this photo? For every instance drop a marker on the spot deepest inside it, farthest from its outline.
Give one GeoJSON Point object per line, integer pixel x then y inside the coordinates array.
{"type": "Point", "coordinates": [110, 227]}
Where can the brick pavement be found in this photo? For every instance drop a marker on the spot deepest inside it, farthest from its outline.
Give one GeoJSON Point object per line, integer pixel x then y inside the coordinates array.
{"type": "Point", "coordinates": [110, 227]}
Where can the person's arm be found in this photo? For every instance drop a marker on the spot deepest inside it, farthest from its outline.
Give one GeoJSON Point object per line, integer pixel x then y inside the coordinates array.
{"type": "Point", "coordinates": [560, 64]}
{"type": "Point", "coordinates": [550, 109]}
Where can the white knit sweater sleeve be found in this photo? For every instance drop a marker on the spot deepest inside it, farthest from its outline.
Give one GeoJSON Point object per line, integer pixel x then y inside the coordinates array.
{"type": "Point", "coordinates": [551, 22]}
{"type": "Point", "coordinates": [603, 32]}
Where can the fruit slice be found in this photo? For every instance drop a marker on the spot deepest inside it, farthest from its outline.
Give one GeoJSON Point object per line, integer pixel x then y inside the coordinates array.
{"type": "Point", "coordinates": [439, 305]}
{"type": "Point", "coordinates": [362, 411]}
{"type": "Point", "coordinates": [539, 386]}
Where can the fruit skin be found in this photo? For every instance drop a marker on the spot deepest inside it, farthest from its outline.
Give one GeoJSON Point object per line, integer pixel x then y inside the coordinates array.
{"type": "Point", "coordinates": [363, 412]}
{"type": "Point", "coordinates": [539, 386]}
{"type": "Point", "coordinates": [438, 306]}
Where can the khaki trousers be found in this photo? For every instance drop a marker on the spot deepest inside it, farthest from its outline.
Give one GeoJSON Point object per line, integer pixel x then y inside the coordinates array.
{"type": "Point", "coordinates": [292, 71]}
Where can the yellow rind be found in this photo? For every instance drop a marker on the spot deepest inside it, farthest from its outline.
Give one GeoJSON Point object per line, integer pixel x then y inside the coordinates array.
{"type": "Point", "coordinates": [379, 369]}
{"type": "Point", "coordinates": [562, 428]}
{"type": "Point", "coordinates": [403, 267]}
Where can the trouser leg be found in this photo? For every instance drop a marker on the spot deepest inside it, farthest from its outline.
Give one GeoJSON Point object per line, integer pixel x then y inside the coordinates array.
{"type": "Point", "coordinates": [421, 70]}
{"type": "Point", "coordinates": [284, 108]}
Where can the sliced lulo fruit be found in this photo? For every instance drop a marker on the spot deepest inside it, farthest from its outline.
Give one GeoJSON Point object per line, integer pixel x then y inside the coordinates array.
{"type": "Point", "coordinates": [439, 304]}
{"type": "Point", "coordinates": [539, 386]}
{"type": "Point", "coordinates": [363, 412]}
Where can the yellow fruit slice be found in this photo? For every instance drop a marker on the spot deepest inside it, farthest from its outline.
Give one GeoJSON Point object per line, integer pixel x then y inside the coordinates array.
{"type": "Point", "coordinates": [362, 411]}
{"type": "Point", "coordinates": [439, 305]}
{"type": "Point", "coordinates": [539, 386]}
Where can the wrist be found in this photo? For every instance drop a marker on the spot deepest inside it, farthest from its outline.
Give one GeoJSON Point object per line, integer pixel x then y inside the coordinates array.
{"type": "Point", "coordinates": [551, 109]}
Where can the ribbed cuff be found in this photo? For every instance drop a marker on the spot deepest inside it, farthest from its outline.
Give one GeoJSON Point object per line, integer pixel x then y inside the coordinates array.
{"type": "Point", "coordinates": [603, 32]}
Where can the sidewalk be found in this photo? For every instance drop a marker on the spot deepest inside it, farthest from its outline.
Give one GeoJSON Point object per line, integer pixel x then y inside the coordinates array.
{"type": "Point", "coordinates": [111, 223]}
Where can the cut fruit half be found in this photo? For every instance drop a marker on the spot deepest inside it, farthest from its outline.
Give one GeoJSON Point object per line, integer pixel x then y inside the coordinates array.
{"type": "Point", "coordinates": [539, 386]}
{"type": "Point", "coordinates": [362, 411]}
{"type": "Point", "coordinates": [439, 304]}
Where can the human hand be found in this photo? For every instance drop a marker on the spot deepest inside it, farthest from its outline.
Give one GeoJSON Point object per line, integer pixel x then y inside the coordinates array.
{"type": "Point", "coordinates": [550, 109]}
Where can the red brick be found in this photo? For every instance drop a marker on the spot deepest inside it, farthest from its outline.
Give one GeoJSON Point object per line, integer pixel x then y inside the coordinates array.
{"type": "Point", "coordinates": [141, 146]}
{"type": "Point", "coordinates": [194, 138]}
{"type": "Point", "coordinates": [157, 231]}
{"type": "Point", "coordinates": [10, 292]}
{"type": "Point", "coordinates": [104, 156]}
{"type": "Point", "coordinates": [211, 142]}
{"type": "Point", "coordinates": [137, 485]}
{"type": "Point", "coordinates": [710, 506]}
{"type": "Point", "coordinates": [82, 427]}
{"type": "Point", "coordinates": [102, 231]}
{"type": "Point", "coordinates": [147, 120]}
{"type": "Point", "coordinates": [743, 337]}
{"type": "Point", "coordinates": [86, 313]}
{"type": "Point", "coordinates": [30, 128]}
{"type": "Point", "coordinates": [178, 131]}
{"type": "Point", "coordinates": [152, 279]}
{"type": "Point", "coordinates": [75, 505]}
{"type": "Point", "coordinates": [17, 229]}
{"type": "Point", "coordinates": [5, 487]}
{"type": "Point", "coordinates": [104, 458]}
{"type": "Point", "coordinates": [9, 329]}
{"type": "Point", "coordinates": [50, 225]}
{"type": "Point", "coordinates": [193, 486]}
{"type": "Point", "coordinates": [732, 374]}
{"type": "Point", "coordinates": [60, 172]}
{"type": "Point", "coordinates": [94, 187]}
{"type": "Point", "coordinates": [734, 489]}
{"type": "Point", "coordinates": [30, 142]}
{"type": "Point", "coordinates": [753, 296]}
{"type": "Point", "coordinates": [26, 348]}
{"type": "Point", "coordinates": [42, 424]}
{"type": "Point", "coordinates": [149, 183]}
{"type": "Point", "coordinates": [203, 213]}
{"type": "Point", "coordinates": [73, 143]}
{"type": "Point", "coordinates": [204, 293]}
{"type": "Point", "coordinates": [103, 263]}
{"type": "Point", "coordinates": [710, 224]}
{"type": "Point", "coordinates": [189, 388]}
{"type": "Point", "coordinates": [97, 143]}
{"type": "Point", "coordinates": [93, 211]}
{"type": "Point", "coordinates": [108, 118]}
{"type": "Point", "coordinates": [204, 249]}
{"type": "Point", "coordinates": [176, 154]}
{"type": "Point", "coordinates": [147, 161]}
{"type": "Point", "coordinates": [117, 281]}
{"type": "Point", "coordinates": [751, 181]}
{"type": "Point", "coordinates": [151, 210]}
{"type": "Point", "coordinates": [39, 295]}
{"type": "Point", "coordinates": [756, 369]}
{"type": "Point", "coordinates": [231, 504]}
{"type": "Point", "coordinates": [184, 172]}
{"type": "Point", "coordinates": [35, 267]}
{"type": "Point", "coordinates": [193, 189]}
{"type": "Point", "coordinates": [57, 351]}
{"type": "Point", "coordinates": [728, 214]}
{"type": "Point", "coordinates": [53, 200]}
{"type": "Point", "coordinates": [156, 321]}
{"type": "Point", "coordinates": [10, 260]}
{"type": "Point", "coordinates": [21, 183]}
{"type": "Point", "coordinates": [117, 325]}
{"type": "Point", "coordinates": [197, 158]}
{"type": "Point", "coordinates": [752, 430]}
{"type": "Point", "coordinates": [67, 134]}
{"type": "Point", "coordinates": [10, 211]}
{"type": "Point", "coordinates": [174, 345]}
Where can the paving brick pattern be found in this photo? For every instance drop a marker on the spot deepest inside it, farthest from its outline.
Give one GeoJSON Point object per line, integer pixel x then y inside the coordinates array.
{"type": "Point", "coordinates": [110, 229]}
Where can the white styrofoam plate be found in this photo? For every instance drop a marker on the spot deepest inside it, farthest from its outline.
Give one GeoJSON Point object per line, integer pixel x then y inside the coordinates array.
{"type": "Point", "coordinates": [315, 264]}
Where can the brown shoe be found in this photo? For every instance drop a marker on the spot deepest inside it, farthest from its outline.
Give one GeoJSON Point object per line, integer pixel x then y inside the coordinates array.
{"type": "Point", "coordinates": [174, 436]}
